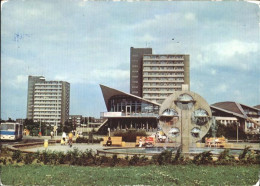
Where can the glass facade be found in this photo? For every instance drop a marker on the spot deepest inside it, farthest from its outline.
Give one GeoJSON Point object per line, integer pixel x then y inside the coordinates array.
{"type": "Point", "coordinates": [132, 106]}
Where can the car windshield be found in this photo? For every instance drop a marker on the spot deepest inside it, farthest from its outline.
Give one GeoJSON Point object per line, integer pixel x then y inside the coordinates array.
{"type": "Point", "coordinates": [7, 127]}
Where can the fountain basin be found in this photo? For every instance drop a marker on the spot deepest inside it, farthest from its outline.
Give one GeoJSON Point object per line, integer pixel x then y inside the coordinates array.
{"type": "Point", "coordinates": [150, 151]}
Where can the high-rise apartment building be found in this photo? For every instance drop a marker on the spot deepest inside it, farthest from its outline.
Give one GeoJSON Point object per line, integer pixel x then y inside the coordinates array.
{"type": "Point", "coordinates": [136, 66]}
{"type": "Point", "coordinates": [164, 74]}
{"type": "Point", "coordinates": [30, 94]}
{"type": "Point", "coordinates": [48, 101]}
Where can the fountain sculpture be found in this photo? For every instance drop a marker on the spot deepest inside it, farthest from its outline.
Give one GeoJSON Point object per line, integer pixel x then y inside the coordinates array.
{"type": "Point", "coordinates": [185, 117]}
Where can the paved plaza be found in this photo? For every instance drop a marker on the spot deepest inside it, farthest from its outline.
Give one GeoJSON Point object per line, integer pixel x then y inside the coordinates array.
{"type": "Point", "coordinates": [66, 148]}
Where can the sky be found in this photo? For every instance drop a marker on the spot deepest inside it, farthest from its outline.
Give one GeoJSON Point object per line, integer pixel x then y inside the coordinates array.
{"type": "Point", "coordinates": [87, 43]}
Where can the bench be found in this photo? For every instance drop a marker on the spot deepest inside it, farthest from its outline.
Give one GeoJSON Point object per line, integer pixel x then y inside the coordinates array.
{"type": "Point", "coordinates": [116, 140]}
{"type": "Point", "coordinates": [215, 142]}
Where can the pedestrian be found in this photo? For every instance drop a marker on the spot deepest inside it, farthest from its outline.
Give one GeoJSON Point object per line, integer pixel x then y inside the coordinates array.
{"type": "Point", "coordinates": [64, 136]}
{"type": "Point", "coordinates": [51, 134]}
{"type": "Point", "coordinates": [109, 141]}
{"type": "Point", "coordinates": [70, 139]}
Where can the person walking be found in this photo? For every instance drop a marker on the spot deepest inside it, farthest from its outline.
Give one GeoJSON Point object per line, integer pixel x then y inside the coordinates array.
{"type": "Point", "coordinates": [70, 139]}
{"type": "Point", "coordinates": [51, 134]}
{"type": "Point", "coordinates": [63, 138]}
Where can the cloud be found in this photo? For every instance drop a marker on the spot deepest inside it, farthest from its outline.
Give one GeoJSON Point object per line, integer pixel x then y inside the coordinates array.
{"type": "Point", "coordinates": [213, 72]}
{"type": "Point", "coordinates": [190, 16]}
{"type": "Point", "coordinates": [88, 43]}
{"type": "Point", "coordinates": [162, 21]}
{"type": "Point", "coordinates": [95, 76]}
{"type": "Point", "coordinates": [233, 48]}
{"type": "Point", "coordinates": [234, 54]}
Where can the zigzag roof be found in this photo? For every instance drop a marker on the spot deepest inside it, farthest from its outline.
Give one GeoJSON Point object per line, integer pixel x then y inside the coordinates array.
{"type": "Point", "coordinates": [233, 108]}
{"type": "Point", "coordinates": [109, 92]}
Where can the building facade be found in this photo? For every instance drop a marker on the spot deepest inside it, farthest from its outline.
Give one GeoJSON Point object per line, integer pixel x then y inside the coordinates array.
{"type": "Point", "coordinates": [48, 101]}
{"type": "Point", "coordinates": [126, 111]}
{"type": "Point", "coordinates": [233, 113]}
{"type": "Point", "coordinates": [30, 94]}
{"type": "Point", "coordinates": [136, 69]}
{"type": "Point", "coordinates": [76, 120]}
{"type": "Point", "coordinates": [164, 74]}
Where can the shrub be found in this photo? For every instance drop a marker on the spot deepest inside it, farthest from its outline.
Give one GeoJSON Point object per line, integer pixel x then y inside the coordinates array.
{"type": "Point", "coordinates": [203, 158]}
{"type": "Point", "coordinates": [17, 155]}
{"type": "Point", "coordinates": [81, 140]}
{"type": "Point", "coordinates": [86, 157]}
{"type": "Point", "coordinates": [104, 159]}
{"type": "Point", "coordinates": [3, 160]}
{"type": "Point", "coordinates": [164, 157]}
{"type": "Point", "coordinates": [45, 157]}
{"type": "Point", "coordinates": [177, 157]}
{"type": "Point", "coordinates": [61, 157]}
{"type": "Point", "coordinates": [225, 157]}
{"type": "Point", "coordinates": [114, 161]}
{"type": "Point", "coordinates": [86, 140]}
{"type": "Point", "coordinates": [143, 158]}
{"type": "Point", "coordinates": [28, 159]}
{"type": "Point", "coordinates": [134, 160]}
{"type": "Point", "coordinates": [37, 155]}
{"type": "Point", "coordinates": [243, 154]}
{"type": "Point", "coordinates": [249, 157]}
{"type": "Point", "coordinates": [53, 158]}
{"type": "Point", "coordinates": [73, 157]}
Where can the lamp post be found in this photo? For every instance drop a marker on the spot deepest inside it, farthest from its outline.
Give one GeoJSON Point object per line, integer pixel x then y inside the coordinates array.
{"type": "Point", "coordinates": [238, 124]}
{"type": "Point", "coordinates": [40, 130]}
{"type": "Point", "coordinates": [56, 132]}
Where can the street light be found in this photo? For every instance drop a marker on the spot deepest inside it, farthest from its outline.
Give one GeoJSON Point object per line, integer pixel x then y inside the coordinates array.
{"type": "Point", "coordinates": [56, 132]}
{"type": "Point", "coordinates": [238, 124]}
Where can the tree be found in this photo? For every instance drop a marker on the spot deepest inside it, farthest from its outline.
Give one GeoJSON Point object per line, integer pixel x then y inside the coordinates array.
{"type": "Point", "coordinates": [31, 126]}
{"type": "Point", "coordinates": [228, 131]}
{"type": "Point", "coordinates": [10, 120]}
{"type": "Point", "coordinates": [68, 127]}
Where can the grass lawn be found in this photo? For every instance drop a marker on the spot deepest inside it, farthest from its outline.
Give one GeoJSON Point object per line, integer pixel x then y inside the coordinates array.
{"type": "Point", "coordinates": [132, 175]}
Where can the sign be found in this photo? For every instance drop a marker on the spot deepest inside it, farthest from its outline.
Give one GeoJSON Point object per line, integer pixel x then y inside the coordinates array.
{"type": "Point", "coordinates": [112, 114]}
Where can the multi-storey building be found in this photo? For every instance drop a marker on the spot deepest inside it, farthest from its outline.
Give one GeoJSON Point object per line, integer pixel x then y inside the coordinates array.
{"type": "Point", "coordinates": [76, 120]}
{"type": "Point", "coordinates": [30, 94]}
{"type": "Point", "coordinates": [48, 101]}
{"type": "Point", "coordinates": [136, 66]}
{"type": "Point", "coordinates": [163, 74]}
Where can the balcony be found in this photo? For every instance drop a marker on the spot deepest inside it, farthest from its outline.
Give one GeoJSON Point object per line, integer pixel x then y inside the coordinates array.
{"type": "Point", "coordinates": [162, 75]}
{"type": "Point", "coordinates": [158, 92]}
{"type": "Point", "coordinates": [162, 86]}
{"type": "Point", "coordinates": [167, 58]}
{"type": "Point", "coordinates": [161, 81]}
{"type": "Point", "coordinates": [163, 65]}
{"type": "Point", "coordinates": [163, 70]}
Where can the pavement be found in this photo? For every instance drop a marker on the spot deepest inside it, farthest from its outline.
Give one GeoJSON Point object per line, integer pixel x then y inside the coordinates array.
{"type": "Point", "coordinates": [65, 148]}
{"type": "Point", "coordinates": [90, 146]}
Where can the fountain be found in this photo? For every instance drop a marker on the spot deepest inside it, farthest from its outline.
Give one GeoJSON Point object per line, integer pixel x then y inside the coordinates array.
{"type": "Point", "coordinates": [185, 117]}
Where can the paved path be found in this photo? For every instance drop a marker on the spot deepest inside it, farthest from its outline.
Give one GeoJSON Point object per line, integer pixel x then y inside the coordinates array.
{"type": "Point", "coordinates": [65, 148]}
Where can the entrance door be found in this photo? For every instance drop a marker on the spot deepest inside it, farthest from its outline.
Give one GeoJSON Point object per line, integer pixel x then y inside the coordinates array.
{"type": "Point", "coordinates": [127, 110]}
